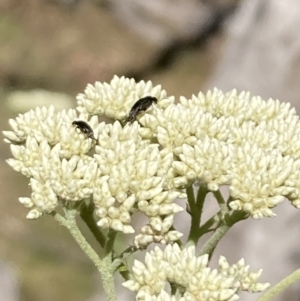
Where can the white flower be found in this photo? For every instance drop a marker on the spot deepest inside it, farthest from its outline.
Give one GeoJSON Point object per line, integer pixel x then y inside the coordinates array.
{"type": "Point", "coordinates": [192, 274]}
{"type": "Point", "coordinates": [117, 98]}
{"type": "Point", "coordinates": [258, 180]}
{"type": "Point", "coordinates": [55, 127]}
{"type": "Point", "coordinates": [44, 138]}
{"type": "Point", "coordinates": [52, 178]}
{"type": "Point", "coordinates": [41, 123]}
{"type": "Point", "coordinates": [247, 281]}
{"type": "Point", "coordinates": [290, 188]}
{"type": "Point", "coordinates": [270, 110]}
{"type": "Point", "coordinates": [30, 157]}
{"type": "Point", "coordinates": [43, 199]}
{"type": "Point", "coordinates": [158, 231]}
{"type": "Point", "coordinates": [73, 141]}
{"type": "Point", "coordinates": [130, 174]}
{"type": "Point", "coordinates": [249, 144]}
{"type": "Point", "coordinates": [178, 125]}
{"type": "Point", "coordinates": [250, 132]}
{"type": "Point", "coordinates": [210, 161]}
{"type": "Point", "coordinates": [221, 105]}
{"type": "Point", "coordinates": [73, 179]}
{"type": "Point", "coordinates": [232, 139]}
{"type": "Point", "coordinates": [241, 106]}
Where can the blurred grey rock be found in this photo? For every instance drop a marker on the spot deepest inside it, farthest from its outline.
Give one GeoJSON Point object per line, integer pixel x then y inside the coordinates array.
{"type": "Point", "coordinates": [9, 288]}
{"type": "Point", "coordinates": [165, 21]}
{"type": "Point", "coordinates": [263, 51]}
{"type": "Point", "coordinates": [263, 57]}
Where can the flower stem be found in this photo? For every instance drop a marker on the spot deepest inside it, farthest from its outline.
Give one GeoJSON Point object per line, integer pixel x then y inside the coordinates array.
{"type": "Point", "coordinates": [196, 208]}
{"type": "Point", "coordinates": [104, 265]}
{"type": "Point", "coordinates": [86, 214]}
{"type": "Point", "coordinates": [208, 224]}
{"type": "Point", "coordinates": [214, 239]}
{"type": "Point", "coordinates": [200, 200]}
{"type": "Point", "coordinates": [191, 198]}
{"type": "Point", "coordinates": [225, 225]}
{"type": "Point", "coordinates": [109, 244]}
{"type": "Point", "coordinates": [281, 286]}
{"type": "Point", "coordinates": [219, 197]}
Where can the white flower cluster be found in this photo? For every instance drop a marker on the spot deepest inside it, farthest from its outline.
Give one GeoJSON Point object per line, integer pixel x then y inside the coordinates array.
{"type": "Point", "coordinates": [232, 139]}
{"type": "Point", "coordinates": [115, 99]}
{"type": "Point", "coordinates": [158, 231]}
{"type": "Point", "coordinates": [249, 144]}
{"type": "Point", "coordinates": [53, 156]}
{"type": "Point", "coordinates": [198, 163]}
{"type": "Point", "coordinates": [131, 175]}
{"type": "Point", "coordinates": [46, 124]}
{"type": "Point", "coordinates": [177, 125]}
{"type": "Point", "coordinates": [121, 175]}
{"type": "Point", "coordinates": [196, 280]}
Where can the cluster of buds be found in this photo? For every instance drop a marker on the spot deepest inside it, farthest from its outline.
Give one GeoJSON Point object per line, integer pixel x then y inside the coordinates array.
{"type": "Point", "coordinates": [145, 158]}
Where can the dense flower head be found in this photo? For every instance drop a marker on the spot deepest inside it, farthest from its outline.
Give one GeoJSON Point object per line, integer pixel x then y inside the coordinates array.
{"type": "Point", "coordinates": [120, 172]}
{"type": "Point", "coordinates": [129, 175]}
{"type": "Point", "coordinates": [47, 124]}
{"type": "Point", "coordinates": [115, 99]}
{"type": "Point", "coordinates": [241, 106]}
{"type": "Point", "coordinates": [41, 123]}
{"type": "Point", "coordinates": [259, 179]}
{"type": "Point", "coordinates": [231, 139]}
{"type": "Point", "coordinates": [216, 139]}
{"type": "Point", "coordinates": [177, 125]}
{"type": "Point", "coordinates": [157, 231]}
{"type": "Point", "coordinates": [196, 280]}
{"type": "Point", "coordinates": [210, 161]}
{"type": "Point", "coordinates": [52, 178]}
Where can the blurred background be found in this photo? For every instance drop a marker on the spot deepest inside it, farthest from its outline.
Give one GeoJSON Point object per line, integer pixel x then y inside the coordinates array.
{"type": "Point", "coordinates": [51, 49]}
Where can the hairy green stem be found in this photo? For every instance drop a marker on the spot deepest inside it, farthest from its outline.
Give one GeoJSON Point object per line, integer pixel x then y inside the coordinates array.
{"type": "Point", "coordinates": [196, 208]}
{"type": "Point", "coordinates": [201, 195]}
{"type": "Point", "coordinates": [125, 274]}
{"type": "Point", "coordinates": [173, 288]}
{"type": "Point", "coordinates": [128, 251]}
{"type": "Point", "coordinates": [119, 263]}
{"type": "Point", "coordinates": [208, 224]}
{"type": "Point", "coordinates": [109, 244]}
{"type": "Point", "coordinates": [219, 197]}
{"type": "Point", "coordinates": [86, 214]}
{"type": "Point", "coordinates": [281, 286]}
{"type": "Point", "coordinates": [214, 239]}
{"type": "Point", "coordinates": [226, 224]}
{"type": "Point", "coordinates": [191, 198]}
{"type": "Point", "coordinates": [120, 266]}
{"type": "Point", "coordinates": [104, 265]}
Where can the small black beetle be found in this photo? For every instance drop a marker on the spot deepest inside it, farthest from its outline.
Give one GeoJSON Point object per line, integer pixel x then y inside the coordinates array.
{"type": "Point", "coordinates": [140, 106]}
{"type": "Point", "coordinates": [84, 128]}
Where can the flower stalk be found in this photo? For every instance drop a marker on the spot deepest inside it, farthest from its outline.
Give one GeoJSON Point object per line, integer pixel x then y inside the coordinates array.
{"type": "Point", "coordinates": [226, 223]}
{"type": "Point", "coordinates": [87, 215]}
{"type": "Point", "coordinates": [195, 210]}
{"type": "Point", "coordinates": [281, 286]}
{"type": "Point", "coordinates": [103, 265]}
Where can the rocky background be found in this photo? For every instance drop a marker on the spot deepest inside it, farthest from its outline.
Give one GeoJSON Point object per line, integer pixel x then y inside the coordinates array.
{"type": "Point", "coordinates": [61, 45]}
